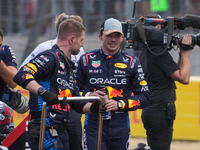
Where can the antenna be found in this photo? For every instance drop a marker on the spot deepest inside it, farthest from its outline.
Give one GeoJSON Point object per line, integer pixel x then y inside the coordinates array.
{"type": "Point", "coordinates": [134, 7]}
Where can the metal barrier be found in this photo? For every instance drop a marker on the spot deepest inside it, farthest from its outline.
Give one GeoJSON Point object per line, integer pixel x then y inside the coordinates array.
{"type": "Point", "coordinates": [72, 99]}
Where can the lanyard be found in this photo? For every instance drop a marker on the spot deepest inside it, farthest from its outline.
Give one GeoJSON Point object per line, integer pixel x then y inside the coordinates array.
{"type": "Point", "coordinates": [66, 59]}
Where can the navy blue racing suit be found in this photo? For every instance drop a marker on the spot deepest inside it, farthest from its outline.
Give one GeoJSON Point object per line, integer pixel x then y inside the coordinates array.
{"type": "Point", "coordinates": [54, 71]}
{"type": "Point", "coordinates": [123, 77]}
{"type": "Point", "coordinates": [8, 57]}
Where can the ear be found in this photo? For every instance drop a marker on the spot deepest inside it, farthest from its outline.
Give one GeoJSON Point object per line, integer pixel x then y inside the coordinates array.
{"type": "Point", "coordinates": [71, 39]}
{"type": "Point", "coordinates": [122, 37]}
{"type": "Point", "coordinates": [100, 36]}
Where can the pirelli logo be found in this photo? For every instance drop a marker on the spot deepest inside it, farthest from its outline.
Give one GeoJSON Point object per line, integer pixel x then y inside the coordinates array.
{"type": "Point", "coordinates": [120, 65]}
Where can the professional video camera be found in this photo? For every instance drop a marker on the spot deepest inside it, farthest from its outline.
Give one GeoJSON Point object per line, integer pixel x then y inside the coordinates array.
{"type": "Point", "coordinates": [143, 34]}
{"type": "Point", "coordinates": [14, 99]}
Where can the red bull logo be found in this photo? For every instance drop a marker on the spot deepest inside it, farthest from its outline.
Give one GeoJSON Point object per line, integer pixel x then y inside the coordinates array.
{"type": "Point", "coordinates": [113, 92]}
{"type": "Point", "coordinates": [27, 76]}
{"type": "Point", "coordinates": [134, 103]}
{"type": "Point", "coordinates": [66, 93]}
{"type": "Point", "coordinates": [109, 57]}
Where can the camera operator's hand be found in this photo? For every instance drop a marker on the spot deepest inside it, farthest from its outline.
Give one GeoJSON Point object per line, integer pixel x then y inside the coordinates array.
{"type": "Point", "coordinates": [50, 98]}
{"type": "Point", "coordinates": [185, 43]}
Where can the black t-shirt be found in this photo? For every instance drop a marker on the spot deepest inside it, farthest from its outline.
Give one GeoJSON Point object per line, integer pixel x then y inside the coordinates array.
{"type": "Point", "coordinates": [157, 69]}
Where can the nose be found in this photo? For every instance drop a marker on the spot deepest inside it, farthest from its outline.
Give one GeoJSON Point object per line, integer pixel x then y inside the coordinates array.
{"type": "Point", "coordinates": [113, 38]}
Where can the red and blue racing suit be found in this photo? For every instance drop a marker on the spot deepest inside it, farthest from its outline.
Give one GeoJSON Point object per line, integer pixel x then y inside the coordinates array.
{"type": "Point", "coordinates": [51, 69]}
{"type": "Point", "coordinates": [123, 76]}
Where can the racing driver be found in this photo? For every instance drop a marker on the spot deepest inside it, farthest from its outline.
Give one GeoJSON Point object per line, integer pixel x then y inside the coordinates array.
{"type": "Point", "coordinates": [110, 70]}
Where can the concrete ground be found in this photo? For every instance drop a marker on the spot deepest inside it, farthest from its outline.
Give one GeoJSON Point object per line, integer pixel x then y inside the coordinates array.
{"type": "Point", "coordinates": [175, 145]}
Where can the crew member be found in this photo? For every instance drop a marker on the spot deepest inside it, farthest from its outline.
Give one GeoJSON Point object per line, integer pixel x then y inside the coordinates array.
{"type": "Point", "coordinates": [74, 127]}
{"type": "Point", "coordinates": [49, 75]}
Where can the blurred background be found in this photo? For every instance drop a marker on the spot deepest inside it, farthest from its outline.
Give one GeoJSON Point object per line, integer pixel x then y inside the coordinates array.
{"type": "Point", "coordinates": [26, 23]}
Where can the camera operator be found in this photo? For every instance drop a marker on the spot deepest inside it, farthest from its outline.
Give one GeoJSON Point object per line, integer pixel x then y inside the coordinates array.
{"type": "Point", "coordinates": [161, 72]}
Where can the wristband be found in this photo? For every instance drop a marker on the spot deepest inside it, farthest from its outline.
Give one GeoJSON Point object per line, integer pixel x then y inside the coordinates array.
{"type": "Point", "coordinates": [41, 91]}
{"type": "Point", "coordinates": [121, 105]}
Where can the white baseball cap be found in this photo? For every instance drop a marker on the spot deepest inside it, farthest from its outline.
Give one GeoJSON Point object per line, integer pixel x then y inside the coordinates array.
{"type": "Point", "coordinates": [111, 25]}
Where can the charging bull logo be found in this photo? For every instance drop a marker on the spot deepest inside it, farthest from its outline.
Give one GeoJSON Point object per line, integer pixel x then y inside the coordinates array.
{"type": "Point", "coordinates": [113, 92]}
{"type": "Point", "coordinates": [63, 93]}
{"type": "Point", "coordinates": [109, 57]}
{"type": "Point", "coordinates": [27, 76]}
{"type": "Point", "coordinates": [134, 104]}
{"type": "Point", "coordinates": [66, 93]}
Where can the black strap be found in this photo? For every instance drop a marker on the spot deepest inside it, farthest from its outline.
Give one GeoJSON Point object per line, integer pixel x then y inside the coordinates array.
{"type": "Point", "coordinates": [60, 127]}
{"type": "Point", "coordinates": [35, 115]}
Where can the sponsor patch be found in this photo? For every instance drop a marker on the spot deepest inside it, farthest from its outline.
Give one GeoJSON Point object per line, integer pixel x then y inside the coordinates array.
{"type": "Point", "coordinates": [45, 58]}
{"type": "Point", "coordinates": [133, 103]}
{"type": "Point", "coordinates": [29, 70]}
{"type": "Point", "coordinates": [120, 65]}
{"type": "Point", "coordinates": [143, 82]}
{"type": "Point", "coordinates": [66, 93]}
{"type": "Point", "coordinates": [28, 76]}
{"type": "Point", "coordinates": [96, 63]}
{"type": "Point", "coordinates": [95, 71]}
{"type": "Point", "coordinates": [114, 92]}
{"type": "Point", "coordinates": [62, 65]}
{"type": "Point", "coordinates": [32, 66]}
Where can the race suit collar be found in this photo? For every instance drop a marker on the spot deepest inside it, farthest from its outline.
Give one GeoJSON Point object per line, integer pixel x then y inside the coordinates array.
{"type": "Point", "coordinates": [69, 61]}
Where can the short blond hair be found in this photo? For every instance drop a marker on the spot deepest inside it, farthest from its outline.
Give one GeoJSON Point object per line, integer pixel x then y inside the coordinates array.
{"type": "Point", "coordinates": [70, 27]}
{"type": "Point", "coordinates": [63, 17]}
